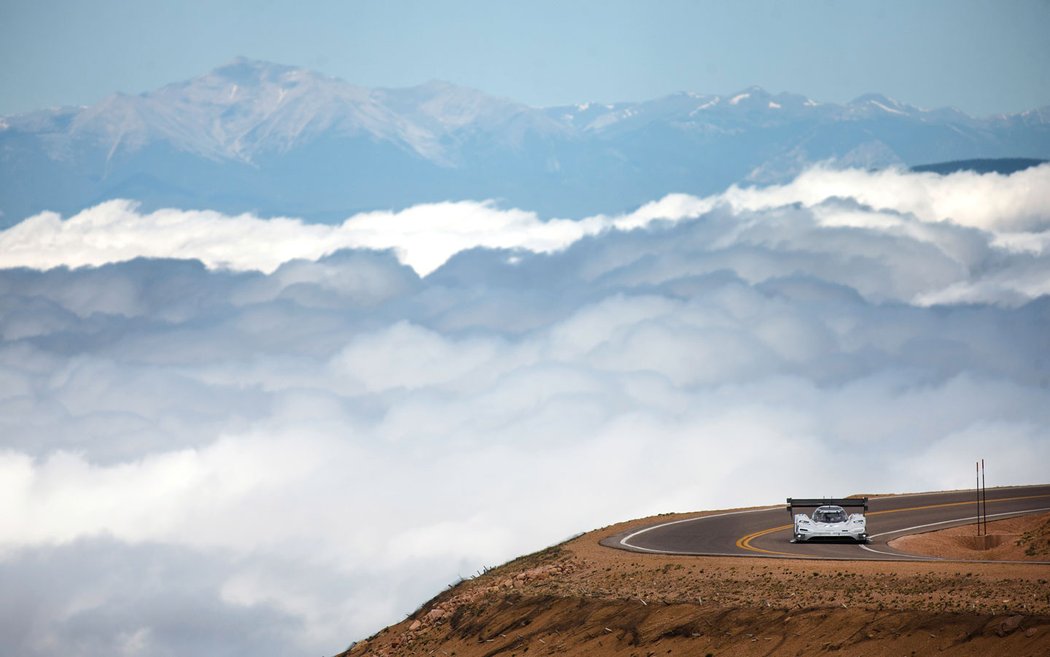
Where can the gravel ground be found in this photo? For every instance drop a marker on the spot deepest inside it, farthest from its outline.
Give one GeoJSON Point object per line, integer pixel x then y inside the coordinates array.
{"type": "Point", "coordinates": [580, 598]}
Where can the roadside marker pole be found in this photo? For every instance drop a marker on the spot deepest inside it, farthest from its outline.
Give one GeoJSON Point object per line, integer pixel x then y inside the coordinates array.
{"type": "Point", "coordinates": [984, 494]}
{"type": "Point", "coordinates": [977, 473]}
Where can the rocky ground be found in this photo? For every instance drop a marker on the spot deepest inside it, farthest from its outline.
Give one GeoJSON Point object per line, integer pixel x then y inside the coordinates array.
{"type": "Point", "coordinates": [580, 598]}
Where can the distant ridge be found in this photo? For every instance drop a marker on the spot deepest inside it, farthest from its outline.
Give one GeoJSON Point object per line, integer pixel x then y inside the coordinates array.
{"type": "Point", "coordinates": [275, 140]}
{"type": "Point", "coordinates": [1003, 165]}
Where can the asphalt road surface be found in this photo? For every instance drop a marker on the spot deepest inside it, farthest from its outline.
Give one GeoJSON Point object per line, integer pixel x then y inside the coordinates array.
{"type": "Point", "coordinates": [768, 531]}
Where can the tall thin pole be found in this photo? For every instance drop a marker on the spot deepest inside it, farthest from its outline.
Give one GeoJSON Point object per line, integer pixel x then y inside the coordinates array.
{"type": "Point", "coordinates": [984, 494]}
{"type": "Point", "coordinates": [977, 473]}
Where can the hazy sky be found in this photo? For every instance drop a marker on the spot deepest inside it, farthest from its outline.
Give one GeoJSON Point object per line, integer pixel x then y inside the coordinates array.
{"type": "Point", "coordinates": [981, 56]}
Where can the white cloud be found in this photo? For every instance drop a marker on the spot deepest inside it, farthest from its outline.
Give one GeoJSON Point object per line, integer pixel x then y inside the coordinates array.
{"type": "Point", "coordinates": [307, 447]}
{"type": "Point", "coordinates": [1010, 203]}
{"type": "Point", "coordinates": [1014, 208]}
{"type": "Point", "coordinates": [423, 236]}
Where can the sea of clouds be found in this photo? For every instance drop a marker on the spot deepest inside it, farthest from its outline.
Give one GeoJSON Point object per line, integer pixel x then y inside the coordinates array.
{"type": "Point", "coordinates": [236, 435]}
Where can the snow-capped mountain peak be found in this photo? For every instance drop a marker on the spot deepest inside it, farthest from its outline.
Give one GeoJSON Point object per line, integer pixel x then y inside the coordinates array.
{"type": "Point", "coordinates": [879, 102]}
{"type": "Point", "coordinates": [251, 135]}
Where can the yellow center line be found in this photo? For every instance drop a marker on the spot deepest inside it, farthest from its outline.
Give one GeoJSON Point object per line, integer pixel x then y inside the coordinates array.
{"type": "Point", "coordinates": [744, 542]}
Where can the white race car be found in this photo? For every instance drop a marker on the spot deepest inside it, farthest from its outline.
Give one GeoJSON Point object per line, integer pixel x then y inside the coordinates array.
{"type": "Point", "coordinates": [829, 520]}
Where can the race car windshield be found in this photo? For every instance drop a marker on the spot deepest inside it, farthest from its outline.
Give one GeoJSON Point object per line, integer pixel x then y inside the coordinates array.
{"type": "Point", "coordinates": [830, 516]}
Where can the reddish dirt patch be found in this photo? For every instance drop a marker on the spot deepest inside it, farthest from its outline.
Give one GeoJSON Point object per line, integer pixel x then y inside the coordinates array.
{"type": "Point", "coordinates": [1025, 538]}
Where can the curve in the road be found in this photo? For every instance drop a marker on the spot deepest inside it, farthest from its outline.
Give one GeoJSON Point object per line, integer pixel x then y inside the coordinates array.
{"type": "Point", "coordinates": [767, 531]}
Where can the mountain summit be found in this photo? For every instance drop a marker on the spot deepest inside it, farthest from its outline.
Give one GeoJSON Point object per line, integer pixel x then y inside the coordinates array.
{"type": "Point", "coordinates": [274, 139]}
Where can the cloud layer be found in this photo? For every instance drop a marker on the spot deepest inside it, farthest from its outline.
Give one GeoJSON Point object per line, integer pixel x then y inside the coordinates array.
{"type": "Point", "coordinates": [1013, 208]}
{"type": "Point", "coordinates": [294, 443]}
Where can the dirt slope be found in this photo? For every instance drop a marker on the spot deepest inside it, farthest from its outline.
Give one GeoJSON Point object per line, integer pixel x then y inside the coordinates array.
{"type": "Point", "coordinates": [583, 599]}
{"type": "Point", "coordinates": [1026, 538]}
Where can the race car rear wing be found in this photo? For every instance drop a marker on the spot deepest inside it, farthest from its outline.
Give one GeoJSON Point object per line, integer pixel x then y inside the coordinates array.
{"type": "Point", "coordinates": [813, 502]}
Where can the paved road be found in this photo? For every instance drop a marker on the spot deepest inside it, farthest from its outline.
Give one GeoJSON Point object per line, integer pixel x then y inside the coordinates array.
{"type": "Point", "coordinates": [767, 532]}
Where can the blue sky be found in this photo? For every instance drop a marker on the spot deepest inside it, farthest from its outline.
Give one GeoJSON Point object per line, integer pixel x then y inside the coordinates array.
{"type": "Point", "coordinates": [980, 56]}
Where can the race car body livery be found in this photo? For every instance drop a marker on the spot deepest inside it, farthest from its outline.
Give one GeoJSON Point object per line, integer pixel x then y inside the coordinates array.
{"type": "Point", "coordinates": [829, 520]}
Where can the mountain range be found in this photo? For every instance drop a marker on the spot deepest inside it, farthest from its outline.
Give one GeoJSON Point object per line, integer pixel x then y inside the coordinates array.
{"type": "Point", "coordinates": [278, 140]}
